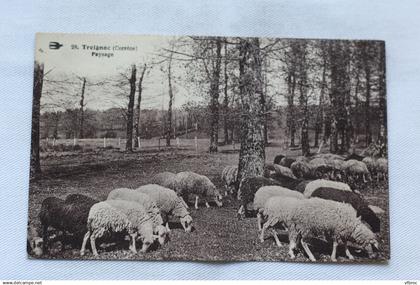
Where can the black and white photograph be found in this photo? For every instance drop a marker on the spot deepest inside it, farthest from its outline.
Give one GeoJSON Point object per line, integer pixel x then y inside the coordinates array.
{"type": "Point", "coordinates": [207, 148]}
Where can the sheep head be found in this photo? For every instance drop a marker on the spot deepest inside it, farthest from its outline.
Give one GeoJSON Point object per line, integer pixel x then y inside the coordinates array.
{"type": "Point", "coordinates": [186, 223]}
{"type": "Point", "coordinates": [162, 234]}
{"type": "Point", "coordinates": [37, 245]}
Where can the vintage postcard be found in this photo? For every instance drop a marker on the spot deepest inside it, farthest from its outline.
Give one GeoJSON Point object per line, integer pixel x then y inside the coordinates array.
{"type": "Point", "coordinates": [208, 149]}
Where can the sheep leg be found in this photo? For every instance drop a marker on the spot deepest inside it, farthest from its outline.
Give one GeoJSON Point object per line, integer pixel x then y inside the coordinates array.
{"type": "Point", "coordinates": [259, 221]}
{"type": "Point", "coordinates": [93, 245]}
{"type": "Point", "coordinates": [292, 243]}
{"type": "Point", "coordinates": [44, 237]}
{"type": "Point", "coordinates": [85, 238]}
{"type": "Point", "coordinates": [334, 251]}
{"type": "Point", "coordinates": [240, 211]}
{"type": "Point", "coordinates": [183, 202]}
{"type": "Point", "coordinates": [276, 238]}
{"type": "Point", "coordinates": [167, 227]}
{"type": "Point", "coordinates": [348, 254]}
{"type": "Point", "coordinates": [307, 250]}
{"type": "Point", "coordinates": [132, 247]}
{"type": "Point", "coordinates": [196, 202]}
{"type": "Point", "coordinates": [207, 204]}
{"type": "Point", "coordinates": [265, 226]}
{"type": "Point", "coordinates": [364, 178]}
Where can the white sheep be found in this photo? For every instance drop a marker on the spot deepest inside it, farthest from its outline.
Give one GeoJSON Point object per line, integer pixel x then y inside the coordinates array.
{"type": "Point", "coordinates": [265, 193]}
{"type": "Point", "coordinates": [192, 183]}
{"type": "Point", "coordinates": [166, 179]}
{"type": "Point", "coordinates": [377, 167]}
{"type": "Point", "coordinates": [169, 203]}
{"type": "Point", "coordinates": [382, 168]}
{"type": "Point", "coordinates": [283, 170]}
{"type": "Point", "coordinates": [313, 185]}
{"type": "Point", "coordinates": [278, 210]}
{"type": "Point", "coordinates": [229, 177]}
{"type": "Point", "coordinates": [329, 219]}
{"type": "Point", "coordinates": [116, 216]}
{"type": "Point", "coordinates": [147, 203]}
{"type": "Point", "coordinates": [34, 243]}
{"type": "Point", "coordinates": [356, 171]}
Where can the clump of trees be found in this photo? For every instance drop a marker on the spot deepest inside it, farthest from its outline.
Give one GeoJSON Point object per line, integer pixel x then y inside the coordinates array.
{"type": "Point", "coordinates": [310, 93]}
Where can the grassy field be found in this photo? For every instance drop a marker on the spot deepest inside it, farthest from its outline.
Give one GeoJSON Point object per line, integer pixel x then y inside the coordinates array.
{"type": "Point", "coordinates": [217, 236]}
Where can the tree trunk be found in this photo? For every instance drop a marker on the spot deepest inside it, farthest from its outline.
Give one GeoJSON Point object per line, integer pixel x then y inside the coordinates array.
{"type": "Point", "coordinates": [356, 128]}
{"type": "Point", "coordinates": [252, 151]}
{"type": "Point", "coordinates": [35, 167]}
{"type": "Point", "coordinates": [82, 110]}
{"type": "Point", "coordinates": [130, 109]}
{"type": "Point", "coordinates": [171, 97]}
{"type": "Point", "coordinates": [226, 100]}
{"type": "Point", "coordinates": [382, 95]}
{"type": "Point", "coordinates": [368, 133]}
{"type": "Point", "coordinates": [137, 119]}
{"type": "Point", "coordinates": [214, 95]}
{"type": "Point", "coordinates": [320, 121]}
{"type": "Point", "coordinates": [303, 102]}
{"type": "Point", "coordinates": [291, 82]}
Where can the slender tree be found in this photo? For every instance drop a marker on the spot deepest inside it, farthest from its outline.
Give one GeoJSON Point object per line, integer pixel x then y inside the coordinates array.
{"type": "Point", "coordinates": [214, 96]}
{"type": "Point", "coordinates": [303, 95]}
{"type": "Point", "coordinates": [137, 119]}
{"type": "Point", "coordinates": [226, 98]}
{"type": "Point", "coordinates": [130, 109]}
{"type": "Point", "coordinates": [82, 108]}
{"type": "Point", "coordinates": [382, 92]}
{"type": "Point", "coordinates": [171, 98]}
{"type": "Point", "coordinates": [35, 166]}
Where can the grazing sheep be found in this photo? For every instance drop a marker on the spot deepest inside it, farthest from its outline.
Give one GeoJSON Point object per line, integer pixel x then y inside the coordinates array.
{"type": "Point", "coordinates": [165, 179]}
{"type": "Point", "coordinates": [302, 158]}
{"type": "Point", "coordinates": [278, 210]}
{"type": "Point", "coordinates": [230, 178]}
{"type": "Point", "coordinates": [169, 204]}
{"type": "Point", "coordinates": [247, 189]}
{"type": "Point", "coordinates": [68, 215]}
{"type": "Point", "coordinates": [192, 183]}
{"type": "Point", "coordinates": [318, 217]}
{"type": "Point", "coordinates": [34, 243]}
{"type": "Point", "coordinates": [286, 161]}
{"type": "Point", "coordinates": [356, 172]}
{"type": "Point", "coordinates": [81, 199]}
{"type": "Point", "coordinates": [301, 169]}
{"type": "Point", "coordinates": [118, 216]}
{"type": "Point", "coordinates": [278, 158]}
{"type": "Point", "coordinates": [287, 182]}
{"type": "Point", "coordinates": [270, 169]}
{"type": "Point", "coordinates": [355, 200]}
{"type": "Point", "coordinates": [354, 156]}
{"type": "Point", "coordinates": [285, 171]}
{"type": "Point", "coordinates": [337, 168]}
{"type": "Point", "coordinates": [329, 156]}
{"type": "Point", "coordinates": [322, 183]}
{"type": "Point", "coordinates": [148, 204]}
{"type": "Point", "coordinates": [382, 168]}
{"type": "Point", "coordinates": [377, 167]}
{"type": "Point", "coordinates": [265, 193]}
{"type": "Point", "coordinates": [320, 168]}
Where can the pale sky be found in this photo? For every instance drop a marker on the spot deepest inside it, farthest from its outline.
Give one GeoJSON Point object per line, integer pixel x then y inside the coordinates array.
{"type": "Point", "coordinates": [77, 58]}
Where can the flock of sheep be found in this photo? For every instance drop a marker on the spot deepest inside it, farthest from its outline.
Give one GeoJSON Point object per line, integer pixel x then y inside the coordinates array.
{"type": "Point", "coordinates": [304, 197]}
{"type": "Point", "coordinates": [306, 202]}
{"type": "Point", "coordinates": [141, 214]}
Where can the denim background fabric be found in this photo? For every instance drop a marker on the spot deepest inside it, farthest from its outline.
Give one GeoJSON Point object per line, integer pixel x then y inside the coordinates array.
{"type": "Point", "coordinates": [397, 22]}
